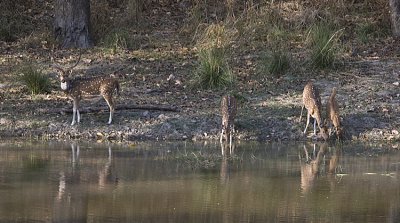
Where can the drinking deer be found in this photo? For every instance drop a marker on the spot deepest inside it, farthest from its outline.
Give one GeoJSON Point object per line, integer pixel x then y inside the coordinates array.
{"type": "Point", "coordinates": [228, 110]}
{"type": "Point", "coordinates": [332, 114]}
{"type": "Point", "coordinates": [76, 88]}
{"type": "Point", "coordinates": [312, 102]}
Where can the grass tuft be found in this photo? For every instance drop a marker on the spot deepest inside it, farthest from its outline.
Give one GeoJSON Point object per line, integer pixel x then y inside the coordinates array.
{"type": "Point", "coordinates": [35, 81]}
{"type": "Point", "coordinates": [117, 40]}
{"type": "Point", "coordinates": [364, 32]}
{"type": "Point", "coordinates": [213, 70]}
{"type": "Point", "coordinates": [276, 63]}
{"type": "Point", "coordinates": [324, 45]}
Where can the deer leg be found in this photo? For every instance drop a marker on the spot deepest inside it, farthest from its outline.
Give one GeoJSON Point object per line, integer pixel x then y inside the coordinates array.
{"type": "Point", "coordinates": [308, 122]}
{"type": "Point", "coordinates": [222, 134]}
{"type": "Point", "coordinates": [301, 113]}
{"type": "Point", "coordinates": [75, 111]}
{"type": "Point", "coordinates": [110, 103]}
{"type": "Point", "coordinates": [78, 115]}
{"type": "Point", "coordinates": [315, 126]}
{"type": "Point", "coordinates": [232, 130]}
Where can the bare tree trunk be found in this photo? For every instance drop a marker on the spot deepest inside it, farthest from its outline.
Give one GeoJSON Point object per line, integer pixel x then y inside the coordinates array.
{"type": "Point", "coordinates": [72, 23]}
{"type": "Point", "coordinates": [395, 16]}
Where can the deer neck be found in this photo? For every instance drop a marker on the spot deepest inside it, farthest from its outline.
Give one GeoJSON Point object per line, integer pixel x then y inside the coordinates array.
{"type": "Point", "coordinates": [66, 86]}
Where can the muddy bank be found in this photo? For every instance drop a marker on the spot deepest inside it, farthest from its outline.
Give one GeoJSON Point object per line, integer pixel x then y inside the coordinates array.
{"type": "Point", "coordinates": [369, 105]}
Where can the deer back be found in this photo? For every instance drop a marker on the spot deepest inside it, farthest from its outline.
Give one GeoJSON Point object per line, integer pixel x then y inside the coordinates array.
{"type": "Point", "coordinates": [332, 111]}
{"type": "Point", "coordinates": [228, 110]}
{"type": "Point", "coordinates": [312, 101]}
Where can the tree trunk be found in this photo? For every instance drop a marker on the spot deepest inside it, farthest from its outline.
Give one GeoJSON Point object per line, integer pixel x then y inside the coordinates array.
{"type": "Point", "coordinates": [395, 16]}
{"type": "Point", "coordinates": [72, 23]}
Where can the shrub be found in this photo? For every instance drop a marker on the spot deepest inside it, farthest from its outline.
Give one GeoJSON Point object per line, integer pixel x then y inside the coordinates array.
{"type": "Point", "coordinates": [34, 80]}
{"type": "Point", "coordinates": [324, 47]}
{"type": "Point", "coordinates": [276, 63]}
{"type": "Point", "coordinates": [364, 32]}
{"type": "Point", "coordinates": [118, 40]}
{"type": "Point", "coordinates": [213, 70]}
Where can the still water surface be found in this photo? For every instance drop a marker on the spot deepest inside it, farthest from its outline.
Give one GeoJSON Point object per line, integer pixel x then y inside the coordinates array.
{"type": "Point", "coordinates": [185, 182]}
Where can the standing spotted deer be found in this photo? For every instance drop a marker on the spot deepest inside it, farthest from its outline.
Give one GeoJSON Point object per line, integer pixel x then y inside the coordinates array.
{"type": "Point", "coordinates": [228, 110]}
{"type": "Point", "coordinates": [76, 88]}
{"type": "Point", "coordinates": [332, 114]}
{"type": "Point", "coordinates": [312, 102]}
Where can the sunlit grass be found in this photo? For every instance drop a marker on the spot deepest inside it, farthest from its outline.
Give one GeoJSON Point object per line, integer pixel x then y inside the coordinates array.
{"type": "Point", "coordinates": [34, 80]}
{"type": "Point", "coordinates": [324, 46]}
{"type": "Point", "coordinates": [276, 63]}
{"type": "Point", "coordinates": [213, 70]}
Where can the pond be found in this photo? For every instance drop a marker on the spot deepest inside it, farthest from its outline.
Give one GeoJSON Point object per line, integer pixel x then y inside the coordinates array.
{"type": "Point", "coordinates": [194, 182]}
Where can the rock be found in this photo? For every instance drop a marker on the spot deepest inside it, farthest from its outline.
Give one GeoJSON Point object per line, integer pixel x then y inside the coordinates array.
{"type": "Point", "coordinates": [5, 121]}
{"type": "Point", "coordinates": [146, 114]}
{"type": "Point", "coordinates": [162, 117]}
{"type": "Point", "coordinates": [396, 83]}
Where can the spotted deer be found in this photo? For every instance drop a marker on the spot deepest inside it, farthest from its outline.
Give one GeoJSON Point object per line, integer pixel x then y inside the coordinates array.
{"type": "Point", "coordinates": [228, 110]}
{"type": "Point", "coordinates": [312, 102]}
{"type": "Point", "coordinates": [76, 88]}
{"type": "Point", "coordinates": [333, 116]}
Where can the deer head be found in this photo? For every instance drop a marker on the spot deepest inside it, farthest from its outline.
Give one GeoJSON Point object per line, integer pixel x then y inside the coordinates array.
{"type": "Point", "coordinates": [65, 73]}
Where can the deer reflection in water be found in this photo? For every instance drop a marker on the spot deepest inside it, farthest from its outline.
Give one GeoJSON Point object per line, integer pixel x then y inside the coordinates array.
{"type": "Point", "coordinates": [315, 165]}
{"type": "Point", "coordinates": [227, 151]}
{"type": "Point", "coordinates": [70, 178]}
{"type": "Point", "coordinates": [75, 175]}
{"type": "Point", "coordinates": [105, 173]}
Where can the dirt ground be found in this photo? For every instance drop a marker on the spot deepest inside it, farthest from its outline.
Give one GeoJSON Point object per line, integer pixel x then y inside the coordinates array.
{"type": "Point", "coordinates": [368, 95]}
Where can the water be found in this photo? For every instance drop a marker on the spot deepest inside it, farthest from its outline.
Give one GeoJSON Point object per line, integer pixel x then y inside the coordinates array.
{"type": "Point", "coordinates": [184, 182]}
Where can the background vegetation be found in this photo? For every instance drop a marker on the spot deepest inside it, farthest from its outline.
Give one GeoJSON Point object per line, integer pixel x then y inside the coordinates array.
{"type": "Point", "coordinates": [189, 52]}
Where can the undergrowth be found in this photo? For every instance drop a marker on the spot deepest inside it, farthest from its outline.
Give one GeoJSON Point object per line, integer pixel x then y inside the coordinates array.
{"type": "Point", "coordinates": [34, 80]}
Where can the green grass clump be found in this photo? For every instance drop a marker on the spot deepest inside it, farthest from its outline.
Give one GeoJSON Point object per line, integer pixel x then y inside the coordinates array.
{"type": "Point", "coordinates": [213, 70]}
{"type": "Point", "coordinates": [365, 31]}
{"type": "Point", "coordinates": [117, 40]}
{"type": "Point", "coordinates": [324, 45]}
{"type": "Point", "coordinates": [35, 81]}
{"type": "Point", "coordinates": [276, 63]}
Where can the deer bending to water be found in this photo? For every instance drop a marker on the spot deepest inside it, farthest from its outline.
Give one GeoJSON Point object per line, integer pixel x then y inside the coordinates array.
{"type": "Point", "coordinates": [312, 102]}
{"type": "Point", "coordinates": [332, 114]}
{"type": "Point", "coordinates": [228, 110]}
{"type": "Point", "coordinates": [76, 88]}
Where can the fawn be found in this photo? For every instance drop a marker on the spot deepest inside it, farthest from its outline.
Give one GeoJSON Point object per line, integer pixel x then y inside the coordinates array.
{"type": "Point", "coordinates": [76, 88]}
{"type": "Point", "coordinates": [332, 114]}
{"type": "Point", "coordinates": [312, 102]}
{"type": "Point", "coordinates": [228, 110]}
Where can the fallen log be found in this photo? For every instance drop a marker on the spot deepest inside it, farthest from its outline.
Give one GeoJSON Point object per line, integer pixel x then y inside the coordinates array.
{"type": "Point", "coordinates": [119, 108]}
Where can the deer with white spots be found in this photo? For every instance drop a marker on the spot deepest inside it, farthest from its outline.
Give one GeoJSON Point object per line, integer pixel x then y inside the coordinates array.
{"type": "Point", "coordinates": [333, 116]}
{"type": "Point", "coordinates": [77, 88]}
{"type": "Point", "coordinates": [312, 102]}
{"type": "Point", "coordinates": [228, 110]}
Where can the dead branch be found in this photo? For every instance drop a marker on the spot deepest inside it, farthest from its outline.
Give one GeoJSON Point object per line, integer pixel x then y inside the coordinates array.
{"type": "Point", "coordinates": [119, 108]}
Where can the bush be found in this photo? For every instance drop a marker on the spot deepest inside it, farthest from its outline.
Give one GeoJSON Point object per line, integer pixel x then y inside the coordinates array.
{"type": "Point", "coordinates": [324, 47]}
{"type": "Point", "coordinates": [276, 63]}
{"type": "Point", "coordinates": [34, 80]}
{"type": "Point", "coordinates": [118, 40]}
{"type": "Point", "coordinates": [364, 32]}
{"type": "Point", "coordinates": [213, 70]}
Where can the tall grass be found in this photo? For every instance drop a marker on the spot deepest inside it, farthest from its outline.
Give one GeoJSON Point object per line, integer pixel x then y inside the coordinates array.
{"type": "Point", "coordinates": [324, 45]}
{"type": "Point", "coordinates": [213, 70]}
{"type": "Point", "coordinates": [364, 32]}
{"type": "Point", "coordinates": [118, 39]}
{"type": "Point", "coordinates": [276, 63]}
{"type": "Point", "coordinates": [34, 80]}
